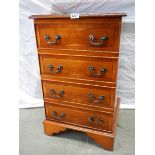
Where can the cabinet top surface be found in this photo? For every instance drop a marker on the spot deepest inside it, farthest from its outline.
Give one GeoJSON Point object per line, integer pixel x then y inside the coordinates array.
{"type": "Point", "coordinates": [90, 15]}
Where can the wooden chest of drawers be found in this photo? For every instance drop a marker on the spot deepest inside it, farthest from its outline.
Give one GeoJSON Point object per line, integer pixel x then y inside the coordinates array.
{"type": "Point", "coordinates": [78, 64]}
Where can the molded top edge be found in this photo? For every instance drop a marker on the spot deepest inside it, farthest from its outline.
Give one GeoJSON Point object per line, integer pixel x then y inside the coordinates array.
{"type": "Point", "coordinates": [90, 15]}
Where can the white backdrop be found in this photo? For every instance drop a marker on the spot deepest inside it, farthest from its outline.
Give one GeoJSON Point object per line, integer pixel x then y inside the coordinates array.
{"type": "Point", "coordinates": [30, 85]}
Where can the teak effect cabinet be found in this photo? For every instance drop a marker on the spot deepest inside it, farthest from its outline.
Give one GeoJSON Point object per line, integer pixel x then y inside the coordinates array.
{"type": "Point", "coordinates": [78, 65]}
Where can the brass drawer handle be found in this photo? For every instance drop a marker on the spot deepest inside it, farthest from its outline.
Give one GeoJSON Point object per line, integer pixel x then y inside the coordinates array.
{"type": "Point", "coordinates": [48, 38]}
{"type": "Point", "coordinates": [95, 119]}
{"type": "Point", "coordinates": [92, 70]}
{"type": "Point", "coordinates": [54, 93]}
{"type": "Point", "coordinates": [92, 98]}
{"type": "Point", "coordinates": [102, 39]}
{"type": "Point", "coordinates": [57, 116]}
{"type": "Point", "coordinates": [51, 67]}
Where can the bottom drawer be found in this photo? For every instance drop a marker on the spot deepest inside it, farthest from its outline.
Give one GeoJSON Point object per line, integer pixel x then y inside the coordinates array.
{"type": "Point", "coordinates": [87, 118]}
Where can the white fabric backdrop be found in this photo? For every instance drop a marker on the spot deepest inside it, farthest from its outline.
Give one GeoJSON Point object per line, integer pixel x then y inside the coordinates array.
{"type": "Point", "coordinates": [30, 85]}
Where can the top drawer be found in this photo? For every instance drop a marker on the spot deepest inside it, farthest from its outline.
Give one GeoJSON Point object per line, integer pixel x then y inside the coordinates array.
{"type": "Point", "coordinates": [102, 35]}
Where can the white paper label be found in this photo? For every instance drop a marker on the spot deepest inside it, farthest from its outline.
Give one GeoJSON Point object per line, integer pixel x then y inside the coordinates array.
{"type": "Point", "coordinates": [74, 15]}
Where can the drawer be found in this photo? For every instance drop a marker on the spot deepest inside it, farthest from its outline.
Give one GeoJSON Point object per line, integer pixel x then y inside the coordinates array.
{"type": "Point", "coordinates": [79, 67]}
{"type": "Point", "coordinates": [92, 96]}
{"type": "Point", "coordinates": [79, 34]}
{"type": "Point", "coordinates": [76, 116]}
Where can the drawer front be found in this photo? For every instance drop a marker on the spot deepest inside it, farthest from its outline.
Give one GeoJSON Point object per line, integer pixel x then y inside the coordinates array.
{"type": "Point", "coordinates": [80, 68]}
{"type": "Point", "coordinates": [78, 35]}
{"type": "Point", "coordinates": [92, 96]}
{"type": "Point", "coordinates": [79, 117]}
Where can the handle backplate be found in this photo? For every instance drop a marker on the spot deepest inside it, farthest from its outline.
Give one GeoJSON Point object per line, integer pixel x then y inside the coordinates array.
{"type": "Point", "coordinates": [57, 116]}
{"type": "Point", "coordinates": [92, 70]}
{"type": "Point", "coordinates": [51, 68]}
{"type": "Point", "coordinates": [48, 38]}
{"type": "Point", "coordinates": [95, 120]}
{"type": "Point", "coordinates": [55, 94]}
{"type": "Point", "coordinates": [92, 98]}
{"type": "Point", "coordinates": [102, 42]}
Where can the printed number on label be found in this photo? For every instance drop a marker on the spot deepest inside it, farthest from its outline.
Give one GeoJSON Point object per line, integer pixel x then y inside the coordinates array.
{"type": "Point", "coordinates": [74, 15]}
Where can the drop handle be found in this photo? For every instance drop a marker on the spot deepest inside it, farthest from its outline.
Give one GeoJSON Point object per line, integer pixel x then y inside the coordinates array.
{"type": "Point", "coordinates": [103, 39]}
{"type": "Point", "coordinates": [95, 120]}
{"type": "Point", "coordinates": [57, 116]}
{"type": "Point", "coordinates": [55, 94]}
{"type": "Point", "coordinates": [48, 38]}
{"type": "Point", "coordinates": [58, 69]}
{"type": "Point", "coordinates": [92, 98]}
{"type": "Point", "coordinates": [93, 73]}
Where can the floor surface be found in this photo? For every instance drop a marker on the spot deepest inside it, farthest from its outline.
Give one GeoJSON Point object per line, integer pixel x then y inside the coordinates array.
{"type": "Point", "coordinates": [33, 141]}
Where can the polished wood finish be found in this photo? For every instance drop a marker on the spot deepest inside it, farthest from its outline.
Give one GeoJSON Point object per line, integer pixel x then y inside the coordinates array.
{"type": "Point", "coordinates": [71, 35]}
{"type": "Point", "coordinates": [102, 84]}
{"type": "Point", "coordinates": [80, 69]}
{"type": "Point", "coordinates": [79, 53]}
{"type": "Point", "coordinates": [50, 129]}
{"type": "Point", "coordinates": [80, 105]}
{"type": "Point", "coordinates": [80, 93]}
{"type": "Point", "coordinates": [101, 121]}
{"type": "Point", "coordinates": [106, 140]}
{"type": "Point", "coordinates": [78, 61]}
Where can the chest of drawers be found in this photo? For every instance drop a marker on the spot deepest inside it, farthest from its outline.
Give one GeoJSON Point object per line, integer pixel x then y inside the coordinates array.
{"type": "Point", "coordinates": [78, 61]}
